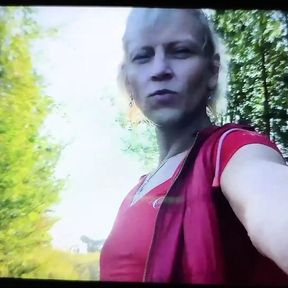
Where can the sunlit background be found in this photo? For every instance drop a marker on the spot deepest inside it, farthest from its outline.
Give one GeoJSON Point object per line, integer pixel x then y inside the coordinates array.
{"type": "Point", "coordinates": [79, 65]}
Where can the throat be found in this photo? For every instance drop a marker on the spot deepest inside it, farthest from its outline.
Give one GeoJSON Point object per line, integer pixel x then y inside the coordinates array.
{"type": "Point", "coordinates": [175, 141]}
{"type": "Point", "coordinates": [161, 174]}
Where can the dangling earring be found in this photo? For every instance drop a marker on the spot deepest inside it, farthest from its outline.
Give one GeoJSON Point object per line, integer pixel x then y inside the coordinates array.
{"type": "Point", "coordinates": [131, 101]}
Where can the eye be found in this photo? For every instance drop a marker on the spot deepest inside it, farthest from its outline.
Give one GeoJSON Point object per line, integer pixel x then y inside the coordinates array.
{"type": "Point", "coordinates": [141, 58]}
{"type": "Point", "coordinates": [182, 52]}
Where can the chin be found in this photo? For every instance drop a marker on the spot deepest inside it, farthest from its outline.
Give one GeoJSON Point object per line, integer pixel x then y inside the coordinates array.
{"type": "Point", "coordinates": [171, 118]}
{"type": "Point", "coordinates": [166, 118]}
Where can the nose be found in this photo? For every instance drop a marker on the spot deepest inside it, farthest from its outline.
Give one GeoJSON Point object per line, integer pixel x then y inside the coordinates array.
{"type": "Point", "coordinates": [161, 69]}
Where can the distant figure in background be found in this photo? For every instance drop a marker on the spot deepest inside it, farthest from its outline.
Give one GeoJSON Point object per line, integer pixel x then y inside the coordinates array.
{"type": "Point", "coordinates": [74, 249]}
{"type": "Point", "coordinates": [92, 245]}
{"type": "Point", "coordinates": [215, 210]}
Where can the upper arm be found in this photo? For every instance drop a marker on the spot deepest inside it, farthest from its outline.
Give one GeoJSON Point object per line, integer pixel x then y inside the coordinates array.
{"type": "Point", "coordinates": [255, 176]}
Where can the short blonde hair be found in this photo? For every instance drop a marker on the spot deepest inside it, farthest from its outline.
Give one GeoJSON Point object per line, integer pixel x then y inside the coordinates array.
{"type": "Point", "coordinates": [212, 45]}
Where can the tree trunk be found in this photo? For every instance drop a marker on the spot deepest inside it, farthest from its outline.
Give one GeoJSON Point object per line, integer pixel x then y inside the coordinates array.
{"type": "Point", "coordinates": [285, 14]}
{"type": "Point", "coordinates": [266, 105]}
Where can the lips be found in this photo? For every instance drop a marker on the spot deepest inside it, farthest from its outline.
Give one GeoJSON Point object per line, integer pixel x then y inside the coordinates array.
{"type": "Point", "coordinates": [164, 98]}
{"type": "Point", "coordinates": [162, 92]}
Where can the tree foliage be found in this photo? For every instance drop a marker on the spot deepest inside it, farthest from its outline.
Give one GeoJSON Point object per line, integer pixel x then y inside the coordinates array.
{"type": "Point", "coordinates": [27, 158]}
{"type": "Point", "coordinates": [139, 140]}
{"type": "Point", "coordinates": [47, 263]}
{"type": "Point", "coordinates": [258, 88]}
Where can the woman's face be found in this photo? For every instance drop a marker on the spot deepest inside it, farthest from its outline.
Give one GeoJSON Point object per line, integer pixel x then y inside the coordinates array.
{"type": "Point", "coordinates": [167, 73]}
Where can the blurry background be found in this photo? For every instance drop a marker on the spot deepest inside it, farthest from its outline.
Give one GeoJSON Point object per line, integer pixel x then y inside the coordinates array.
{"type": "Point", "coordinates": [69, 154]}
{"type": "Point", "coordinates": [79, 65]}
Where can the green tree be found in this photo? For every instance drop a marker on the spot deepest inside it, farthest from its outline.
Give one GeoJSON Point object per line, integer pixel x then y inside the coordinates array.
{"type": "Point", "coordinates": [139, 140]}
{"type": "Point", "coordinates": [27, 158]}
{"type": "Point", "coordinates": [47, 263]}
{"type": "Point", "coordinates": [258, 88]}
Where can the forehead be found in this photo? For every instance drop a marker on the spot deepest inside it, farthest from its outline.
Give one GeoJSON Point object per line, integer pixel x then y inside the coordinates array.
{"type": "Point", "coordinates": [148, 26]}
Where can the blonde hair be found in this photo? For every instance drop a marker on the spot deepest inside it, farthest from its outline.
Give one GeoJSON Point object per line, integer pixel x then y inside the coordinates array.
{"type": "Point", "coordinates": [212, 45]}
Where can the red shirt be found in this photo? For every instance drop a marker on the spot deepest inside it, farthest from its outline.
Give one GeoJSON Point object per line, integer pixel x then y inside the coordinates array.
{"type": "Point", "coordinates": [125, 251]}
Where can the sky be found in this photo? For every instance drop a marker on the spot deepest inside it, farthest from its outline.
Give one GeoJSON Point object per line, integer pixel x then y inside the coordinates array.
{"type": "Point", "coordinates": [79, 66]}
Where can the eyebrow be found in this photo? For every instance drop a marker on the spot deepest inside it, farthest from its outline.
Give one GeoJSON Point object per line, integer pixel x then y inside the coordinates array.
{"type": "Point", "coordinates": [185, 41]}
{"type": "Point", "coordinates": [189, 42]}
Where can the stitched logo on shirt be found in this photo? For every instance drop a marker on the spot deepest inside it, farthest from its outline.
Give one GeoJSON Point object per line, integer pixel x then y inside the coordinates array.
{"type": "Point", "coordinates": [157, 202]}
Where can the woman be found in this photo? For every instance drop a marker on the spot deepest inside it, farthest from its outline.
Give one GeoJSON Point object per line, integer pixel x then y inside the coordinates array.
{"type": "Point", "coordinates": [216, 208]}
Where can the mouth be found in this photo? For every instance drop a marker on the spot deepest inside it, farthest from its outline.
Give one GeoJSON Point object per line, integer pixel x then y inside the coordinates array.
{"type": "Point", "coordinates": [164, 98]}
{"type": "Point", "coordinates": [162, 92]}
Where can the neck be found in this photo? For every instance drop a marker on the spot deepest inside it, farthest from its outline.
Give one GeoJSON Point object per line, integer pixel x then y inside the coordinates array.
{"type": "Point", "coordinates": [175, 140]}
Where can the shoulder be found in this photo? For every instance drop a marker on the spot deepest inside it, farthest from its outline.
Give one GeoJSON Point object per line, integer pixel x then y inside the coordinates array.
{"type": "Point", "coordinates": [247, 161]}
{"type": "Point", "coordinates": [233, 139]}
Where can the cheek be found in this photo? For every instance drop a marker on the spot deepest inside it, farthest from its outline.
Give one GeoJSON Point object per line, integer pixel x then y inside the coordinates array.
{"type": "Point", "coordinates": [135, 83]}
{"type": "Point", "coordinates": [193, 76]}
{"type": "Point", "coordinates": [132, 80]}
{"type": "Point", "coordinates": [198, 80]}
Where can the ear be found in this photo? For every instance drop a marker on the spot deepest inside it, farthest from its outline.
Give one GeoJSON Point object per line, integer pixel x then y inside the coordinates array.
{"type": "Point", "coordinates": [214, 72]}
